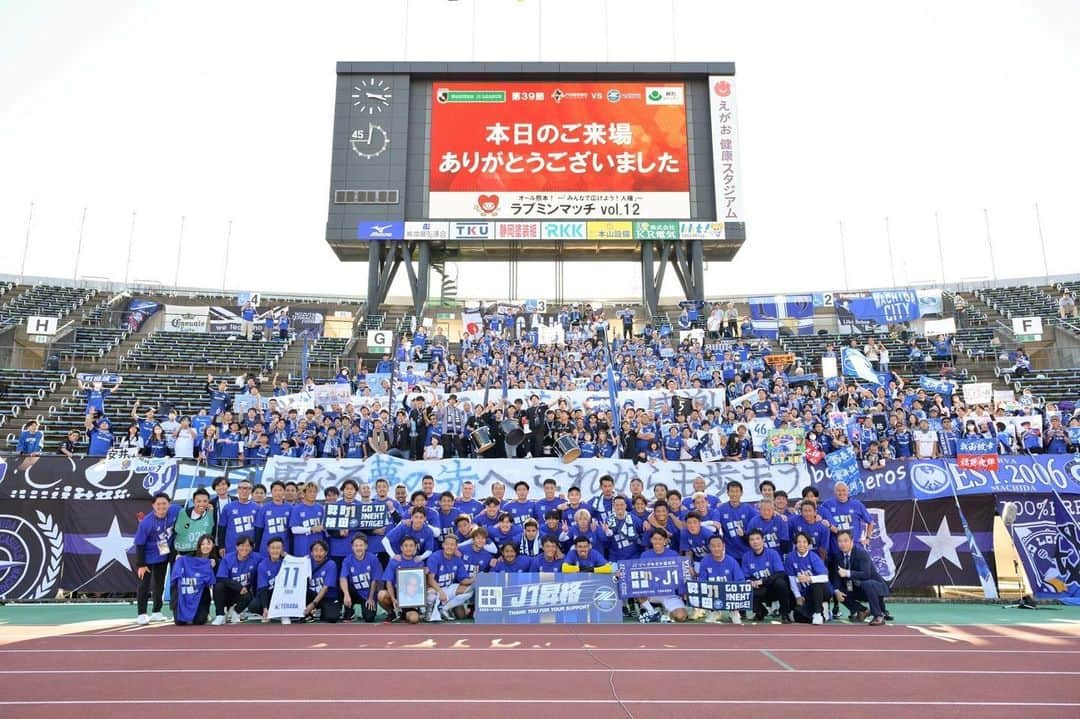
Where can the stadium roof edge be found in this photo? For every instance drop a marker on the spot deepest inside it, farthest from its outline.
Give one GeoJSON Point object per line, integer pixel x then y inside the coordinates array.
{"type": "Point", "coordinates": [590, 69]}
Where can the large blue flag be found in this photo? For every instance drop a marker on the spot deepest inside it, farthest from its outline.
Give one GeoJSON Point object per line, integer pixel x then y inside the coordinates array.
{"type": "Point", "coordinates": [767, 314]}
{"type": "Point", "coordinates": [855, 364]}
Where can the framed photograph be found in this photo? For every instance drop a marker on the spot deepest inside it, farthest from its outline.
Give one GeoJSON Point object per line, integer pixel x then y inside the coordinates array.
{"type": "Point", "coordinates": [410, 586]}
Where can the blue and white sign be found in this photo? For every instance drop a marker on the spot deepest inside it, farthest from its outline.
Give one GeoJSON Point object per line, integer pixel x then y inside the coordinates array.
{"type": "Point", "coordinates": [720, 596]}
{"type": "Point", "coordinates": [976, 445]}
{"type": "Point", "coordinates": [380, 230]}
{"type": "Point", "coordinates": [855, 364]}
{"type": "Point", "coordinates": [506, 598]}
{"type": "Point", "coordinates": [843, 466]}
{"type": "Point", "coordinates": [883, 308]}
{"type": "Point", "coordinates": [563, 230]}
{"type": "Point", "coordinates": [472, 230]}
{"type": "Point", "coordinates": [651, 577]}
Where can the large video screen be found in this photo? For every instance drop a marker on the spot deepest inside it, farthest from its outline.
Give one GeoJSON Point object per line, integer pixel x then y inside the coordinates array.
{"type": "Point", "coordinates": [558, 150]}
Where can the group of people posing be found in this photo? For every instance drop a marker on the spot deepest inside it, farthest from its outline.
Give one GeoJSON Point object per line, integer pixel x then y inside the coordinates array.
{"type": "Point", "coordinates": [800, 556]}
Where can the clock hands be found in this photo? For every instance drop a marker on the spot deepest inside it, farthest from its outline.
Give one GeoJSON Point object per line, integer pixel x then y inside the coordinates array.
{"type": "Point", "coordinates": [376, 97]}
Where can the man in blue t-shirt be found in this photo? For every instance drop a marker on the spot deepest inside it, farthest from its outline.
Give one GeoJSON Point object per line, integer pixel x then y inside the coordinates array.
{"type": "Point", "coordinates": [449, 583]}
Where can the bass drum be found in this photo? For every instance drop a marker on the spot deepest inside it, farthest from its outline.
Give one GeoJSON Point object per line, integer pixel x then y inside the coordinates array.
{"type": "Point", "coordinates": [481, 440]}
{"type": "Point", "coordinates": [567, 448]}
{"type": "Point", "coordinates": [514, 434]}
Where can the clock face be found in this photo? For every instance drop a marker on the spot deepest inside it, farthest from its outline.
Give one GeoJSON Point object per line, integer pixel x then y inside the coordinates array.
{"type": "Point", "coordinates": [372, 96]}
{"type": "Point", "coordinates": [369, 142]}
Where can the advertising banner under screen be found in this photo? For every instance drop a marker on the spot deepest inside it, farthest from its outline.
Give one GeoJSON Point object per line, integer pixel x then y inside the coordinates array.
{"type": "Point", "coordinates": [559, 151]}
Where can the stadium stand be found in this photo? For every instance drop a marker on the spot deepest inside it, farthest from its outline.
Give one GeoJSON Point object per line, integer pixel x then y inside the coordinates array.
{"type": "Point", "coordinates": [179, 350]}
{"type": "Point", "coordinates": [43, 301]}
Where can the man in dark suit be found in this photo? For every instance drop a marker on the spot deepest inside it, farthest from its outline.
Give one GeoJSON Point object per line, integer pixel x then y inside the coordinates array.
{"type": "Point", "coordinates": [536, 414]}
{"type": "Point", "coordinates": [854, 577]}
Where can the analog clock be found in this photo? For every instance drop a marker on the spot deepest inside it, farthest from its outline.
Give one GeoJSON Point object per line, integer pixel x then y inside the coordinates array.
{"type": "Point", "coordinates": [369, 142]}
{"type": "Point", "coordinates": [372, 96]}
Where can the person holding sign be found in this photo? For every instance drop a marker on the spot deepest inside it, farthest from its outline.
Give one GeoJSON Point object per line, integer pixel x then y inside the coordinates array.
{"type": "Point", "coordinates": [855, 577]}
{"type": "Point", "coordinates": [765, 570]}
{"type": "Point", "coordinates": [809, 581]}
{"type": "Point", "coordinates": [388, 598]}
{"type": "Point", "coordinates": [674, 608]}
{"type": "Point", "coordinates": [718, 566]}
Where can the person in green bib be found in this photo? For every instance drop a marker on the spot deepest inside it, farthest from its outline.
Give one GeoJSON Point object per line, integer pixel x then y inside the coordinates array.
{"type": "Point", "coordinates": [194, 522]}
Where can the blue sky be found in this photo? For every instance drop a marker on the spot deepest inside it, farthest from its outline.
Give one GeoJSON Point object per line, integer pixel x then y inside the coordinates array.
{"type": "Point", "coordinates": [849, 111]}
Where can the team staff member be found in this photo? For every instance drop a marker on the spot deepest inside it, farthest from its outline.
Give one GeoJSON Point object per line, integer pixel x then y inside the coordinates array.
{"type": "Point", "coordinates": [359, 580]}
{"type": "Point", "coordinates": [855, 577]}
{"type": "Point", "coordinates": [235, 585]}
{"type": "Point", "coordinates": [765, 570]}
{"type": "Point", "coordinates": [153, 551]}
{"type": "Point", "coordinates": [322, 591]}
{"type": "Point", "coordinates": [809, 581]}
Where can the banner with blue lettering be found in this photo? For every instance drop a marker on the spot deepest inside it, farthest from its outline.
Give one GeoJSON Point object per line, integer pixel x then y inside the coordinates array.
{"type": "Point", "coordinates": [651, 577]}
{"type": "Point", "coordinates": [844, 467]}
{"type": "Point", "coordinates": [877, 308]}
{"type": "Point", "coordinates": [506, 598]}
{"type": "Point", "coordinates": [720, 596]}
{"type": "Point", "coordinates": [370, 516]}
{"type": "Point", "coordinates": [768, 314]}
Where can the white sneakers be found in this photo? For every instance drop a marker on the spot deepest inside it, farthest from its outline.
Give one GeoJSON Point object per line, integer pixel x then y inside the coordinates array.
{"type": "Point", "coordinates": [142, 619]}
{"type": "Point", "coordinates": [219, 620]}
{"type": "Point", "coordinates": [286, 620]}
{"type": "Point", "coordinates": [158, 617]}
{"type": "Point", "coordinates": [232, 617]}
{"type": "Point", "coordinates": [735, 618]}
{"type": "Point", "coordinates": [433, 614]}
{"type": "Point", "coordinates": [818, 618]}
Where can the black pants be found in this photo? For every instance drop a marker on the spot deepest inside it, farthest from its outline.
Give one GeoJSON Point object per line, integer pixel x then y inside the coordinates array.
{"type": "Point", "coordinates": [537, 444]}
{"type": "Point", "coordinates": [202, 613]}
{"type": "Point", "coordinates": [773, 589]}
{"type": "Point", "coordinates": [627, 332]}
{"type": "Point", "coordinates": [872, 592]}
{"type": "Point", "coordinates": [226, 597]}
{"type": "Point", "coordinates": [417, 446]}
{"type": "Point", "coordinates": [329, 609]}
{"type": "Point", "coordinates": [260, 602]}
{"type": "Point", "coordinates": [358, 603]}
{"type": "Point", "coordinates": [812, 604]}
{"type": "Point", "coordinates": [152, 583]}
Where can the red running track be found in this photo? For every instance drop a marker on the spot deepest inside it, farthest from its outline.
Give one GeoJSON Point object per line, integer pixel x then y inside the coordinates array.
{"type": "Point", "coordinates": [599, 672]}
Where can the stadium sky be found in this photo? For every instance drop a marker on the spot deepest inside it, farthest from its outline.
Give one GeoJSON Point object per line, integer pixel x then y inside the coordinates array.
{"type": "Point", "coordinates": [848, 112]}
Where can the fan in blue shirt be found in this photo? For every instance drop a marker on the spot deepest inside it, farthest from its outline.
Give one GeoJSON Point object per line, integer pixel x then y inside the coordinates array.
{"type": "Point", "coordinates": [841, 512]}
{"type": "Point", "coordinates": [449, 583]}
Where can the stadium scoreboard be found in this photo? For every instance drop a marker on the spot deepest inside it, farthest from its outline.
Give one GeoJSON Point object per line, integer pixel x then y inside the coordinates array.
{"type": "Point", "coordinates": [589, 159]}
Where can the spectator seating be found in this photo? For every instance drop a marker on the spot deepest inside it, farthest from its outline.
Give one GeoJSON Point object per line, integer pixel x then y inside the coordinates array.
{"type": "Point", "coordinates": [1052, 385]}
{"type": "Point", "coordinates": [1021, 301]}
{"type": "Point", "coordinates": [326, 352]}
{"type": "Point", "coordinates": [43, 301]}
{"type": "Point", "coordinates": [213, 352]}
{"type": "Point", "coordinates": [89, 343]}
{"type": "Point", "coordinates": [20, 388]}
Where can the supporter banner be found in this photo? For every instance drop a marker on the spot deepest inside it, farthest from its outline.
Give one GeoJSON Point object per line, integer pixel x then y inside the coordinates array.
{"type": "Point", "coordinates": [225, 320]}
{"type": "Point", "coordinates": [770, 314]}
{"type": "Point", "coordinates": [339, 517]}
{"type": "Point", "coordinates": [785, 446]}
{"type": "Point", "coordinates": [977, 453]}
{"type": "Point", "coordinates": [556, 598]}
{"type": "Point", "coordinates": [855, 364]}
{"type": "Point", "coordinates": [720, 596]}
{"type": "Point", "coordinates": [651, 577]}
{"type": "Point", "coordinates": [759, 429]}
{"type": "Point", "coordinates": [326, 395]}
{"type": "Point", "coordinates": [930, 478]}
{"type": "Point", "coordinates": [186, 319]}
{"type": "Point", "coordinates": [930, 302]}
{"type": "Point", "coordinates": [1048, 543]}
{"type": "Point", "coordinates": [978, 392]}
{"type": "Point", "coordinates": [243, 402]}
{"type": "Point", "coordinates": [926, 543]}
{"type": "Point", "coordinates": [844, 467]}
{"type": "Point", "coordinates": [937, 386]}
{"type": "Point", "coordinates": [137, 312]}
{"type": "Point", "coordinates": [746, 399]}
{"type": "Point", "coordinates": [57, 477]}
{"type": "Point", "coordinates": [103, 377]}
{"type": "Point", "coordinates": [780, 360]}
{"type": "Point", "coordinates": [882, 308]}
{"type": "Point", "coordinates": [67, 544]}
{"type": "Point", "coordinates": [307, 322]}
{"type": "Point", "coordinates": [946, 326]}
{"type": "Point", "coordinates": [584, 473]}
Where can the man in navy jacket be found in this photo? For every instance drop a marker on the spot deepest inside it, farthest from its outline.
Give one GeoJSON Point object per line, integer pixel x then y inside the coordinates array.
{"type": "Point", "coordinates": [854, 577]}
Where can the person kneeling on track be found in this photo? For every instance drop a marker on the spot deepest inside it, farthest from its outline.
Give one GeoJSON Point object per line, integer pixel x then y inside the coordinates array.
{"type": "Point", "coordinates": [359, 580]}
{"type": "Point", "coordinates": [235, 585]}
{"type": "Point", "coordinates": [322, 591]}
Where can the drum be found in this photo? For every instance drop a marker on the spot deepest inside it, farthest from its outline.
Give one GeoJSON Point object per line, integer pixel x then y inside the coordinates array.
{"type": "Point", "coordinates": [481, 440]}
{"type": "Point", "coordinates": [567, 448]}
{"type": "Point", "coordinates": [512, 429]}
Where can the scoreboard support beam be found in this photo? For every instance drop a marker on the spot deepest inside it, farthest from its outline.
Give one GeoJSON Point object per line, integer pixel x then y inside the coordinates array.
{"type": "Point", "coordinates": [384, 260]}
{"type": "Point", "coordinates": [687, 262]}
